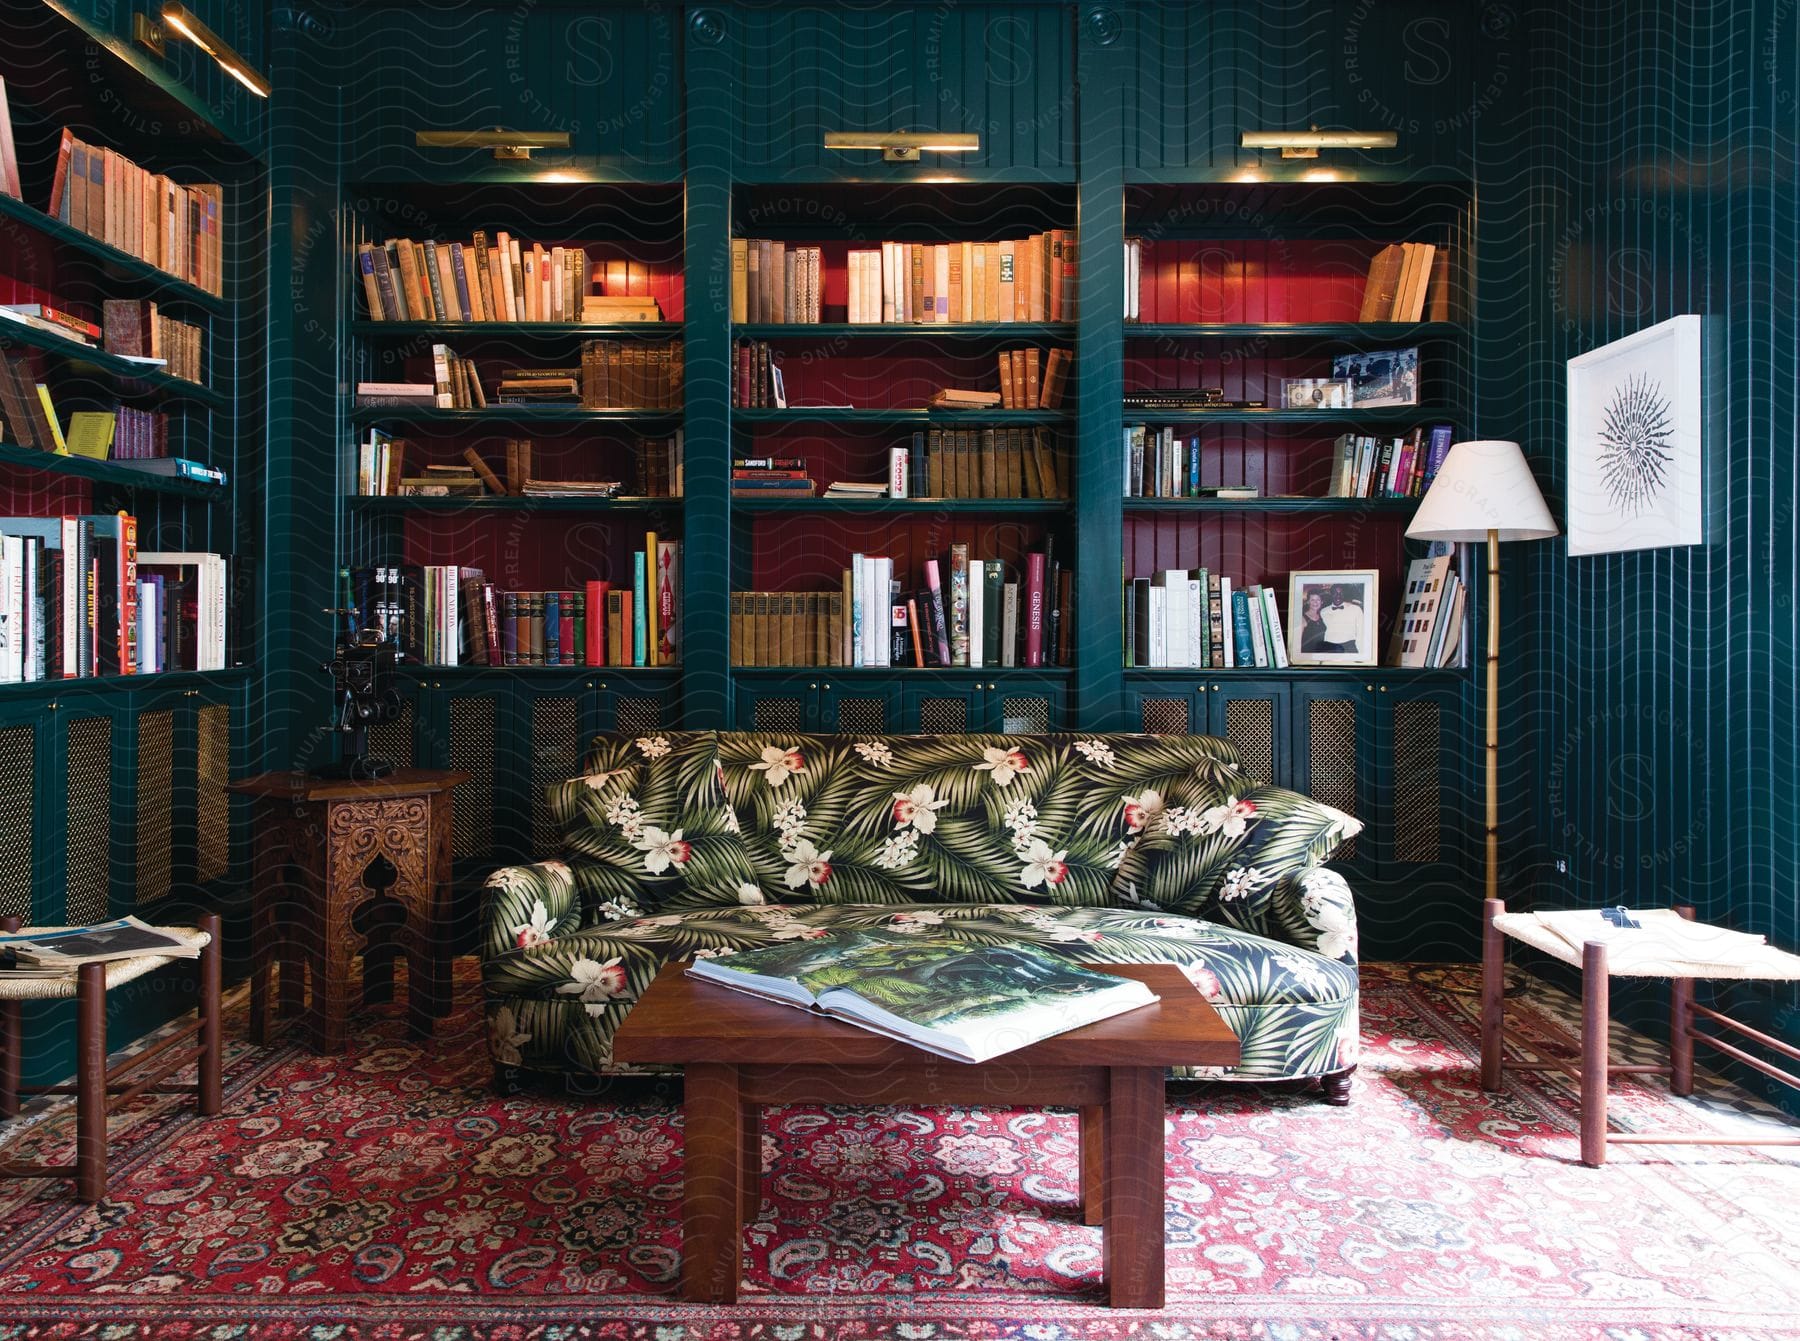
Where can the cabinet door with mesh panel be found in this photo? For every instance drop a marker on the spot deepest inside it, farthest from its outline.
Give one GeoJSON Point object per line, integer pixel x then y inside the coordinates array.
{"type": "Point", "coordinates": [1253, 716]}
{"type": "Point", "coordinates": [27, 803]}
{"type": "Point", "coordinates": [1172, 708]}
{"type": "Point", "coordinates": [776, 703]}
{"type": "Point", "coordinates": [1334, 757]}
{"type": "Point", "coordinates": [853, 708]}
{"type": "Point", "coordinates": [949, 708]}
{"type": "Point", "coordinates": [552, 719]}
{"type": "Point", "coordinates": [636, 706]}
{"type": "Point", "coordinates": [1420, 823]}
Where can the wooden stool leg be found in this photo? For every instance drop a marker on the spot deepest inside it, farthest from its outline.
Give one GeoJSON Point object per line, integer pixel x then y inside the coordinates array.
{"type": "Point", "coordinates": [1093, 1172]}
{"type": "Point", "coordinates": [712, 1197]}
{"type": "Point", "coordinates": [90, 1083]}
{"type": "Point", "coordinates": [11, 1044]}
{"type": "Point", "coordinates": [1493, 996]}
{"type": "Point", "coordinates": [11, 1058]}
{"type": "Point", "coordinates": [210, 1083]}
{"type": "Point", "coordinates": [1681, 1025]}
{"type": "Point", "coordinates": [1595, 1022]}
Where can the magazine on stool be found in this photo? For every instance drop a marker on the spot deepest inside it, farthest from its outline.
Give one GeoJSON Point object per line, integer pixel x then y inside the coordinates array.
{"type": "Point", "coordinates": [54, 951]}
{"type": "Point", "coordinates": [966, 1002]}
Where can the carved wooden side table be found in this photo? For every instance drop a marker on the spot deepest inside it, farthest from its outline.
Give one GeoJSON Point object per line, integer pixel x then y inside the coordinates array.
{"type": "Point", "coordinates": [338, 864]}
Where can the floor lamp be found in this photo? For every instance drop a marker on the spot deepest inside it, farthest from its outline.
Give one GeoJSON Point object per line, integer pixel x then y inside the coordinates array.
{"type": "Point", "coordinates": [1484, 492]}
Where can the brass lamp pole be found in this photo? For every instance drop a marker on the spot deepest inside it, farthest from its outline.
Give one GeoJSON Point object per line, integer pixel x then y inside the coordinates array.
{"type": "Point", "coordinates": [1484, 492]}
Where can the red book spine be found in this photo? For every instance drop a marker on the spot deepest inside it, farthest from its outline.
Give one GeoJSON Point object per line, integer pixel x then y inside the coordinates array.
{"type": "Point", "coordinates": [595, 652]}
{"type": "Point", "coordinates": [128, 597]}
{"type": "Point", "coordinates": [1034, 609]}
{"type": "Point", "coordinates": [490, 616]}
{"type": "Point", "coordinates": [743, 383]}
{"type": "Point", "coordinates": [665, 602]}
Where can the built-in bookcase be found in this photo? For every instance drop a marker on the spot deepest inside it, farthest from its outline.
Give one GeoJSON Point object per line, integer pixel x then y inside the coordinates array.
{"type": "Point", "coordinates": [111, 786]}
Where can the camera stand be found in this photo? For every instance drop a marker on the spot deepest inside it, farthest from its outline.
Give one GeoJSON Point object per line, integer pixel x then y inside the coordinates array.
{"type": "Point", "coordinates": [357, 765]}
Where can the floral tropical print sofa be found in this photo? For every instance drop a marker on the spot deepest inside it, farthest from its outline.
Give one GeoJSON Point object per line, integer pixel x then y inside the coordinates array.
{"type": "Point", "coordinates": [1104, 848]}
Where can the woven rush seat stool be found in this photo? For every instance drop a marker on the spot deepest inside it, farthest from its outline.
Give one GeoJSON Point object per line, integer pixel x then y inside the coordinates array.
{"type": "Point", "coordinates": [98, 1091]}
{"type": "Point", "coordinates": [1764, 964]}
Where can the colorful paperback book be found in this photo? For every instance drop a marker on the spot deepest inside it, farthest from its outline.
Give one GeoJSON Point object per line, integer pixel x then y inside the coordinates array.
{"type": "Point", "coordinates": [948, 997]}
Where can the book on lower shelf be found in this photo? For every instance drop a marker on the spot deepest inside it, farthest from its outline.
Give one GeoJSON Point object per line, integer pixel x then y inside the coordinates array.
{"type": "Point", "coordinates": [54, 952]}
{"type": "Point", "coordinates": [960, 612]}
{"type": "Point", "coordinates": [966, 1002]}
{"type": "Point", "coordinates": [450, 615]}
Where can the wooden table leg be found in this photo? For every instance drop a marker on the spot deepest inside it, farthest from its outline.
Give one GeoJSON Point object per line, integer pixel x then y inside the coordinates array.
{"type": "Point", "coordinates": [441, 876]}
{"type": "Point", "coordinates": [1493, 996]}
{"type": "Point", "coordinates": [1133, 1187]}
{"type": "Point", "coordinates": [263, 931]}
{"type": "Point", "coordinates": [712, 1198]}
{"type": "Point", "coordinates": [211, 1091]}
{"type": "Point", "coordinates": [750, 1161]}
{"type": "Point", "coordinates": [333, 962]}
{"type": "Point", "coordinates": [1093, 1181]}
{"type": "Point", "coordinates": [1595, 1023]}
{"type": "Point", "coordinates": [90, 1082]}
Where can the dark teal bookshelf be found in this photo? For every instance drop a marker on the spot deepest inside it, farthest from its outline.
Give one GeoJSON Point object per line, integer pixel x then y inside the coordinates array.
{"type": "Point", "coordinates": [938, 418]}
{"type": "Point", "coordinates": [983, 332]}
{"type": "Point", "coordinates": [504, 330]}
{"type": "Point", "coordinates": [909, 507]}
{"type": "Point", "coordinates": [126, 378]}
{"type": "Point", "coordinates": [141, 277]}
{"type": "Point", "coordinates": [510, 414]}
{"type": "Point", "coordinates": [112, 473]}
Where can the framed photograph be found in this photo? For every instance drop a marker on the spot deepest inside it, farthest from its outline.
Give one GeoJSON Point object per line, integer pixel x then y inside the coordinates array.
{"type": "Point", "coordinates": [1332, 618]}
{"type": "Point", "coordinates": [777, 387]}
{"type": "Point", "coordinates": [1315, 393]}
{"type": "Point", "coordinates": [1634, 442]}
{"type": "Point", "coordinates": [1380, 377]}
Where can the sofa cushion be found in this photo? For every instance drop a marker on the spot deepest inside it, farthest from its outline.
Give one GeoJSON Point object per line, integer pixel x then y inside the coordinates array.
{"type": "Point", "coordinates": [555, 1006]}
{"type": "Point", "coordinates": [1216, 846]}
{"type": "Point", "coordinates": [977, 818]}
{"type": "Point", "coordinates": [651, 812]}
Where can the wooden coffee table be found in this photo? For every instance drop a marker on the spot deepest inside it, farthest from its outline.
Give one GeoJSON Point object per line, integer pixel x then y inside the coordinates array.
{"type": "Point", "coordinates": [739, 1052]}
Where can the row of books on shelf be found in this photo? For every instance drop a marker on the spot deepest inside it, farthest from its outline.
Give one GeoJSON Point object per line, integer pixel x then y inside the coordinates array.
{"type": "Point", "coordinates": [125, 435]}
{"type": "Point", "coordinates": [131, 329]}
{"type": "Point", "coordinates": [1367, 467]}
{"type": "Point", "coordinates": [1199, 619]}
{"type": "Point", "coordinates": [176, 228]}
{"type": "Point", "coordinates": [1021, 387]}
{"type": "Point", "coordinates": [1021, 279]}
{"type": "Point", "coordinates": [78, 598]}
{"type": "Point", "coordinates": [1428, 632]}
{"type": "Point", "coordinates": [382, 464]}
{"type": "Point", "coordinates": [446, 615]}
{"type": "Point", "coordinates": [964, 612]}
{"type": "Point", "coordinates": [941, 463]}
{"type": "Point", "coordinates": [1399, 279]}
{"type": "Point", "coordinates": [613, 375]}
{"type": "Point", "coordinates": [505, 279]}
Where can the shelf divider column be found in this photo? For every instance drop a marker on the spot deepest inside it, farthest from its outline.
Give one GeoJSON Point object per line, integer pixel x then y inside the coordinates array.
{"type": "Point", "coordinates": [1102, 55]}
{"type": "Point", "coordinates": [706, 551]}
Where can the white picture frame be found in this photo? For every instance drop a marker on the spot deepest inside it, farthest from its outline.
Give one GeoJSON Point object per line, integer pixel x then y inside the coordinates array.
{"type": "Point", "coordinates": [1332, 635]}
{"type": "Point", "coordinates": [1635, 476]}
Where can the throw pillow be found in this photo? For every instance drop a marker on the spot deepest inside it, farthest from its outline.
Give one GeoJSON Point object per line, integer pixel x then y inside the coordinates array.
{"type": "Point", "coordinates": [652, 812]}
{"type": "Point", "coordinates": [1215, 846]}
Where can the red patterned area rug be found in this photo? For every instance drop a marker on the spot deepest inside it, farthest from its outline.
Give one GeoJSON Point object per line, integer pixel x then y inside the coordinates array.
{"type": "Point", "coordinates": [392, 1193]}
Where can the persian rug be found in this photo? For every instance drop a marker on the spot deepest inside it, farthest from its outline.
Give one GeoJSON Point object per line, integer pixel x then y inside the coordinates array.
{"type": "Point", "coordinates": [393, 1193]}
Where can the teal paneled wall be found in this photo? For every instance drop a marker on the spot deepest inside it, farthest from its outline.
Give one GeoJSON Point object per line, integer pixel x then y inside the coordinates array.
{"type": "Point", "coordinates": [608, 76]}
{"type": "Point", "coordinates": [1006, 72]}
{"type": "Point", "coordinates": [1652, 700]}
{"type": "Point", "coordinates": [1209, 71]}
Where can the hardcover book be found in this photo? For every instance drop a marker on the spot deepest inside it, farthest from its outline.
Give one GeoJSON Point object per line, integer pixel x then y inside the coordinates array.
{"type": "Point", "coordinates": [966, 1002]}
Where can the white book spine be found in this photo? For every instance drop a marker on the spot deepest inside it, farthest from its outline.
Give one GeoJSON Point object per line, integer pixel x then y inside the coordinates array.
{"type": "Point", "coordinates": [1196, 621]}
{"type": "Point", "coordinates": [12, 610]}
{"type": "Point", "coordinates": [1228, 626]}
{"type": "Point", "coordinates": [1159, 641]}
{"type": "Point", "coordinates": [899, 472]}
{"type": "Point", "coordinates": [941, 286]}
{"type": "Point", "coordinates": [977, 610]}
{"type": "Point", "coordinates": [887, 281]}
{"type": "Point", "coordinates": [884, 623]}
{"type": "Point", "coordinates": [1174, 583]}
{"type": "Point", "coordinates": [147, 614]}
{"type": "Point", "coordinates": [1277, 644]}
{"type": "Point", "coordinates": [855, 612]}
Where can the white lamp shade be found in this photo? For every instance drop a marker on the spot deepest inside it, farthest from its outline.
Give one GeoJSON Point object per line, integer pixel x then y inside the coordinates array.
{"type": "Point", "coordinates": [1483, 486]}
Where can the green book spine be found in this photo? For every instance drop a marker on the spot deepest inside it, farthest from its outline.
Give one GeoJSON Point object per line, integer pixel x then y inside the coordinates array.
{"type": "Point", "coordinates": [640, 585]}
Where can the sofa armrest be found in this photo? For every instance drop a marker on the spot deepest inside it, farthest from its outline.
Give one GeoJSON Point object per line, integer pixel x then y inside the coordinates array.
{"type": "Point", "coordinates": [529, 905]}
{"type": "Point", "coordinates": [1316, 911]}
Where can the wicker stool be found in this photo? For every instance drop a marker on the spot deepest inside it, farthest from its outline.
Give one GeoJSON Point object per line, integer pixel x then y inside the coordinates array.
{"type": "Point", "coordinates": [143, 1073]}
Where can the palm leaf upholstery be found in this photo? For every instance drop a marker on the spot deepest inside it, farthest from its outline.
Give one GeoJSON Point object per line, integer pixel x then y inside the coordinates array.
{"type": "Point", "coordinates": [698, 843]}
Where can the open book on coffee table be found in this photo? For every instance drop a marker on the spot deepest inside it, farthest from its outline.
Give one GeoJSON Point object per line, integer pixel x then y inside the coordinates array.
{"type": "Point", "coordinates": [953, 998]}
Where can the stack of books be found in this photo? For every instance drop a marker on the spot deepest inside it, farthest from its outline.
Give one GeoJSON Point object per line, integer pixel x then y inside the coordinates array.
{"type": "Point", "coordinates": [1398, 280]}
{"type": "Point", "coordinates": [1196, 618]}
{"type": "Point", "coordinates": [958, 398]}
{"type": "Point", "coordinates": [630, 375]}
{"type": "Point", "coordinates": [966, 612]}
{"type": "Point", "coordinates": [771, 477]}
{"type": "Point", "coordinates": [539, 386]}
{"type": "Point", "coordinates": [606, 310]}
{"type": "Point", "coordinates": [52, 321]}
{"type": "Point", "coordinates": [178, 229]}
{"type": "Point", "coordinates": [1022, 388]}
{"type": "Point", "coordinates": [1022, 279]}
{"type": "Point", "coordinates": [505, 280]}
{"type": "Point", "coordinates": [137, 331]}
{"type": "Point", "coordinates": [1368, 467]}
{"type": "Point", "coordinates": [449, 615]}
{"type": "Point", "coordinates": [853, 489]}
{"type": "Point", "coordinates": [1428, 632]}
